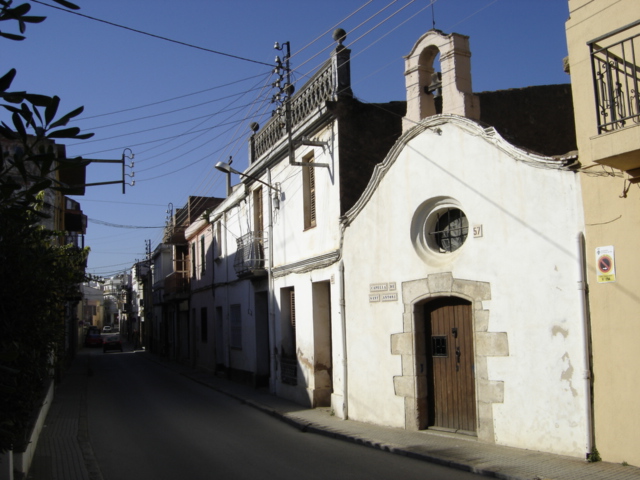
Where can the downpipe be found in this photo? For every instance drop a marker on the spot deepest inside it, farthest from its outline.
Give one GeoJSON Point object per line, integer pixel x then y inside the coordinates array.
{"type": "Point", "coordinates": [584, 297]}
{"type": "Point", "coordinates": [345, 370]}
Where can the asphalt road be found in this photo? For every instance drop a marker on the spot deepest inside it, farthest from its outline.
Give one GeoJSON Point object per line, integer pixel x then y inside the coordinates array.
{"type": "Point", "coordinates": [148, 422]}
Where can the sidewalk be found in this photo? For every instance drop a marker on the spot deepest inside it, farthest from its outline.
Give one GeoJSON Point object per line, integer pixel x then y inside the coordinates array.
{"type": "Point", "coordinates": [64, 451]}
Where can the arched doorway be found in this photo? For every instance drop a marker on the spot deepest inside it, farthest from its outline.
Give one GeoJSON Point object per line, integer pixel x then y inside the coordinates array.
{"type": "Point", "coordinates": [451, 399]}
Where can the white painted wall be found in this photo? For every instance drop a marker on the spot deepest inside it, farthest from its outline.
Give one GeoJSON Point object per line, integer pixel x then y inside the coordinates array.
{"type": "Point", "coordinates": [528, 254]}
{"type": "Point", "coordinates": [201, 293]}
{"type": "Point", "coordinates": [232, 214]}
{"type": "Point", "coordinates": [293, 244]}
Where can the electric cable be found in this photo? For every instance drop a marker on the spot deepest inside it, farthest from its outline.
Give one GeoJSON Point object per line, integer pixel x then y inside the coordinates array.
{"type": "Point", "coordinates": [115, 225]}
{"type": "Point", "coordinates": [153, 35]}
{"type": "Point", "coordinates": [169, 112]}
{"type": "Point", "coordinates": [153, 104]}
{"type": "Point", "coordinates": [236, 139]}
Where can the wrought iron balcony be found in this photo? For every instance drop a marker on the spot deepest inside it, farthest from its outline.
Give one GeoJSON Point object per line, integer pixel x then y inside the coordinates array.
{"type": "Point", "coordinates": [616, 77]}
{"type": "Point", "coordinates": [176, 284]}
{"type": "Point", "coordinates": [250, 259]}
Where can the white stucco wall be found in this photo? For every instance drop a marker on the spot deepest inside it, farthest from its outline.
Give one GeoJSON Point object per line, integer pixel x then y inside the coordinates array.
{"type": "Point", "coordinates": [201, 293]}
{"type": "Point", "coordinates": [304, 257]}
{"type": "Point", "coordinates": [528, 255]}
{"type": "Point", "coordinates": [292, 242]}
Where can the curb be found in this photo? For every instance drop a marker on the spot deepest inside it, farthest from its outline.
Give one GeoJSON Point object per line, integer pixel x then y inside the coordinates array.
{"type": "Point", "coordinates": [310, 427]}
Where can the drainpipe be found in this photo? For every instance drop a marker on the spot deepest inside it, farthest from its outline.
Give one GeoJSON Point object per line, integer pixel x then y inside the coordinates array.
{"type": "Point", "coordinates": [584, 294]}
{"type": "Point", "coordinates": [272, 300]}
{"type": "Point", "coordinates": [226, 298]}
{"type": "Point", "coordinates": [345, 372]}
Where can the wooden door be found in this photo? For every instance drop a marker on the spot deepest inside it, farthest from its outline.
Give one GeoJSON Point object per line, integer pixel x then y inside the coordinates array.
{"type": "Point", "coordinates": [450, 360]}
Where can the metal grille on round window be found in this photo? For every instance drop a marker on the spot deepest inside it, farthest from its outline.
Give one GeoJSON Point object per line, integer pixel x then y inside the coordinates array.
{"type": "Point", "coordinates": [450, 230]}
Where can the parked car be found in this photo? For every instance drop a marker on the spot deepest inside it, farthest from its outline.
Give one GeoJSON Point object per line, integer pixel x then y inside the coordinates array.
{"type": "Point", "coordinates": [93, 339]}
{"type": "Point", "coordinates": [106, 329]}
{"type": "Point", "coordinates": [111, 342]}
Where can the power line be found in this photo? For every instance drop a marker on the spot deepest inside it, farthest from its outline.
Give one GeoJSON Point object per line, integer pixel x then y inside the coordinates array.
{"type": "Point", "coordinates": [117, 124]}
{"type": "Point", "coordinates": [171, 99]}
{"type": "Point", "coordinates": [237, 138]}
{"type": "Point", "coordinates": [153, 35]}
{"type": "Point", "coordinates": [109, 224]}
{"type": "Point", "coordinates": [125, 203]}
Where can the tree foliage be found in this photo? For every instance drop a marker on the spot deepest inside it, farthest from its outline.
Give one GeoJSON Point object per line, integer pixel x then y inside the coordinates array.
{"type": "Point", "coordinates": [38, 276]}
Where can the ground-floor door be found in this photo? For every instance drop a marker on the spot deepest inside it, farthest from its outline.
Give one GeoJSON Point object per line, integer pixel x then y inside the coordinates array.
{"type": "Point", "coordinates": [450, 365]}
{"type": "Point", "coordinates": [263, 361]}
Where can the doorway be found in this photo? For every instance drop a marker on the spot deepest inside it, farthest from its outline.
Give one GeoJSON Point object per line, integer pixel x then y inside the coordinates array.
{"type": "Point", "coordinates": [451, 402]}
{"type": "Point", "coordinates": [263, 363]}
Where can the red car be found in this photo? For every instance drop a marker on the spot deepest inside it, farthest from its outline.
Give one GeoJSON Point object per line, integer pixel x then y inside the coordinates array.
{"type": "Point", "coordinates": [93, 339]}
{"type": "Point", "coordinates": [111, 342]}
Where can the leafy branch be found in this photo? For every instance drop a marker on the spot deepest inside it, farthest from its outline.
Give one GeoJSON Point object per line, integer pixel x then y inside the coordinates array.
{"type": "Point", "coordinates": [44, 275]}
{"type": "Point", "coordinates": [19, 14]}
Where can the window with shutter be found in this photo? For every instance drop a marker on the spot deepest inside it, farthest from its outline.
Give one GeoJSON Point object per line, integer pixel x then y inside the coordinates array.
{"type": "Point", "coordinates": [193, 259]}
{"type": "Point", "coordinates": [288, 358]}
{"type": "Point", "coordinates": [203, 255]}
{"type": "Point", "coordinates": [257, 210]}
{"type": "Point", "coordinates": [218, 240]}
{"type": "Point", "coordinates": [309, 193]}
{"type": "Point", "coordinates": [292, 299]}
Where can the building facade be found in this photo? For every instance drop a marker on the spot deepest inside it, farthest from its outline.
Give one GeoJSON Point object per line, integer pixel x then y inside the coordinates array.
{"type": "Point", "coordinates": [465, 301]}
{"type": "Point", "coordinates": [278, 286]}
{"type": "Point", "coordinates": [604, 59]}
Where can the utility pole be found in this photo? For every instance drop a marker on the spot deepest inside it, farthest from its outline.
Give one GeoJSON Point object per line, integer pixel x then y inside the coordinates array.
{"type": "Point", "coordinates": [283, 99]}
{"type": "Point", "coordinates": [125, 155]}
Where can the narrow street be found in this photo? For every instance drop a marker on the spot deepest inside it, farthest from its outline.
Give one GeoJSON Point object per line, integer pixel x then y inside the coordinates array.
{"type": "Point", "coordinates": [146, 421]}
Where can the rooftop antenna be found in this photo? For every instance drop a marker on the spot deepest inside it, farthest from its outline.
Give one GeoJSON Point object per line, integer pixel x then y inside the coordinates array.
{"type": "Point", "coordinates": [433, 14]}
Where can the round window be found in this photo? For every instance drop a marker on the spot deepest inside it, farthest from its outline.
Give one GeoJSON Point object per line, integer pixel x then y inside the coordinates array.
{"type": "Point", "coordinates": [439, 227]}
{"type": "Point", "coordinates": [448, 231]}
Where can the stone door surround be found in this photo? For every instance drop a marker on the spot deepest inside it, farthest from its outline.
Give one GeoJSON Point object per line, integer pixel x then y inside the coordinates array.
{"type": "Point", "coordinates": [412, 384]}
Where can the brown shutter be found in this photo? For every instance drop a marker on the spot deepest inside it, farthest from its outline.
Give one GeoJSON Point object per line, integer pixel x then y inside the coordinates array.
{"type": "Point", "coordinates": [292, 299]}
{"type": "Point", "coordinates": [312, 194]}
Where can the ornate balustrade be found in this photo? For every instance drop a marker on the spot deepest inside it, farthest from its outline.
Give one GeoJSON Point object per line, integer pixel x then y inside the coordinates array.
{"type": "Point", "coordinates": [250, 259]}
{"type": "Point", "coordinates": [616, 77]}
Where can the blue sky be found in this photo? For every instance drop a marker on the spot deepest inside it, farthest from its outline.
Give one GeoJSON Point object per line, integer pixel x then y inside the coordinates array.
{"type": "Point", "coordinates": [181, 109]}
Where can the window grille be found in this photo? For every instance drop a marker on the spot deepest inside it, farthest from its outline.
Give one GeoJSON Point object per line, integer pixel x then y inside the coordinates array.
{"type": "Point", "coordinates": [450, 230]}
{"type": "Point", "coordinates": [439, 346]}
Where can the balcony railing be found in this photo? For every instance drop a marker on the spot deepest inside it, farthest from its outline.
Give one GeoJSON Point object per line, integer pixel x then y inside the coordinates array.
{"type": "Point", "coordinates": [331, 82]}
{"type": "Point", "coordinates": [176, 283]}
{"type": "Point", "coordinates": [616, 77]}
{"type": "Point", "coordinates": [251, 255]}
